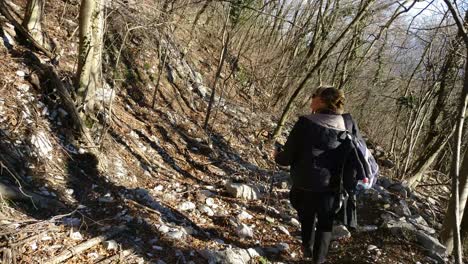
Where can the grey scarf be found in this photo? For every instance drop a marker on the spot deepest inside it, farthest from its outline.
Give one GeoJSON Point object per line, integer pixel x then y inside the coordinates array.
{"type": "Point", "coordinates": [328, 120]}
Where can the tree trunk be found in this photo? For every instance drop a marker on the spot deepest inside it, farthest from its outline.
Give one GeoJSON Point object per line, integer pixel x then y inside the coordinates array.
{"type": "Point", "coordinates": [90, 53]}
{"type": "Point", "coordinates": [464, 230]}
{"type": "Point", "coordinates": [423, 166]}
{"type": "Point", "coordinates": [450, 234]}
{"type": "Point", "coordinates": [33, 21]}
{"type": "Point", "coordinates": [12, 17]}
{"type": "Point", "coordinates": [222, 58]}
{"type": "Point", "coordinates": [447, 234]}
{"type": "Point", "coordinates": [451, 227]}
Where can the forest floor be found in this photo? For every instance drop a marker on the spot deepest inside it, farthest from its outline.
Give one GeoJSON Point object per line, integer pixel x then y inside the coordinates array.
{"type": "Point", "coordinates": [156, 192]}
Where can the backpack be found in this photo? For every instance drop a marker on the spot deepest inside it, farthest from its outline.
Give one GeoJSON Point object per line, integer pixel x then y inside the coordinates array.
{"type": "Point", "coordinates": [369, 164]}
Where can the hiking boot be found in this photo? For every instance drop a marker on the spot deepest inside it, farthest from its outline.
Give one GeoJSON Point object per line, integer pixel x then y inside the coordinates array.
{"type": "Point", "coordinates": [306, 253]}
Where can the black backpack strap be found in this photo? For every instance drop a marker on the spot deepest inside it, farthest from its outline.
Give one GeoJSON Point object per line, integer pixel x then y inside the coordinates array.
{"type": "Point", "coordinates": [349, 123]}
{"type": "Point", "coordinates": [341, 193]}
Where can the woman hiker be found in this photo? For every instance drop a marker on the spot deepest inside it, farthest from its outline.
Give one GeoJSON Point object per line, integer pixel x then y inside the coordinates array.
{"type": "Point", "coordinates": [321, 166]}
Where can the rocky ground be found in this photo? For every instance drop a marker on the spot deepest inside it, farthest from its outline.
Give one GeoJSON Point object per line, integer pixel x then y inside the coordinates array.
{"type": "Point", "coordinates": [162, 190]}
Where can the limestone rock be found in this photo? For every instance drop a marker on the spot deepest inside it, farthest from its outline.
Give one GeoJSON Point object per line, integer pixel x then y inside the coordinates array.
{"type": "Point", "coordinates": [244, 215]}
{"type": "Point", "coordinates": [244, 231]}
{"type": "Point", "coordinates": [187, 206]}
{"type": "Point", "coordinates": [340, 232]}
{"type": "Point", "coordinates": [284, 230]}
{"type": "Point", "coordinates": [207, 210]}
{"type": "Point", "coordinates": [110, 245]}
{"type": "Point", "coordinates": [243, 191]}
{"type": "Point", "coordinates": [230, 256]}
{"type": "Point", "coordinates": [430, 243]}
{"type": "Point", "coordinates": [295, 222]}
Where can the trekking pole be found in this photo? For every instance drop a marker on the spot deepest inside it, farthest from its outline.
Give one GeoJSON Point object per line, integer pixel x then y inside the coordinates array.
{"type": "Point", "coordinates": [270, 191]}
{"type": "Point", "coordinates": [278, 147]}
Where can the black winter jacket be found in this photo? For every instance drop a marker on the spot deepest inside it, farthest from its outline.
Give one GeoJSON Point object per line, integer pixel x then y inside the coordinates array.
{"type": "Point", "coordinates": [317, 157]}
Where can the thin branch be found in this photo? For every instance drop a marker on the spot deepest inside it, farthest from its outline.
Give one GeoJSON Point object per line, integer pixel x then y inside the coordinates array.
{"type": "Point", "coordinates": [458, 21]}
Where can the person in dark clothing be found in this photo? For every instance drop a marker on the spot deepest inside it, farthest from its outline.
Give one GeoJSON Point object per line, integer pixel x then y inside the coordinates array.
{"type": "Point", "coordinates": [321, 167]}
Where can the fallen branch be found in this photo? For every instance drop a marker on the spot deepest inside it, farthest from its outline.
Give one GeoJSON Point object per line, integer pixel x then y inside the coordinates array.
{"type": "Point", "coordinates": [78, 249]}
{"type": "Point", "coordinates": [145, 207]}
{"type": "Point", "coordinates": [433, 184]}
{"type": "Point", "coordinates": [10, 192]}
{"type": "Point", "coordinates": [35, 237]}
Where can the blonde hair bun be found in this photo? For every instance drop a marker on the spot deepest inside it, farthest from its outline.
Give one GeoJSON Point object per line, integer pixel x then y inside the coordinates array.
{"type": "Point", "coordinates": [333, 98]}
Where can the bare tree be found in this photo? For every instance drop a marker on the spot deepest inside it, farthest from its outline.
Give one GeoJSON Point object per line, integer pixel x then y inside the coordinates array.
{"type": "Point", "coordinates": [33, 21]}
{"type": "Point", "coordinates": [458, 204]}
{"type": "Point", "coordinates": [91, 30]}
{"type": "Point", "coordinates": [317, 65]}
{"type": "Point", "coordinates": [222, 59]}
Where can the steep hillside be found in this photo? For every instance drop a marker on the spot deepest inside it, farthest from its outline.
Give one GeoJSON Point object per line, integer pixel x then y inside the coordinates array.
{"type": "Point", "coordinates": [155, 186]}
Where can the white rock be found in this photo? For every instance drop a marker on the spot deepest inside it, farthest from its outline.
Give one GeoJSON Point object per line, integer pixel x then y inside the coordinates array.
{"type": "Point", "coordinates": [244, 215]}
{"type": "Point", "coordinates": [159, 188]}
{"type": "Point", "coordinates": [243, 191]}
{"type": "Point", "coordinates": [76, 236]}
{"type": "Point", "coordinates": [158, 248]}
{"type": "Point", "coordinates": [42, 144]}
{"type": "Point", "coordinates": [9, 36]}
{"type": "Point", "coordinates": [207, 210]}
{"type": "Point", "coordinates": [244, 231]}
{"type": "Point", "coordinates": [210, 202]}
{"type": "Point", "coordinates": [163, 229]}
{"type": "Point", "coordinates": [20, 73]}
{"type": "Point", "coordinates": [105, 95]}
{"type": "Point", "coordinates": [284, 230]}
{"type": "Point", "coordinates": [230, 256]}
{"type": "Point", "coordinates": [340, 232]}
{"type": "Point", "coordinates": [93, 255]}
{"type": "Point", "coordinates": [295, 222]}
{"type": "Point", "coordinates": [23, 87]}
{"type": "Point", "coordinates": [372, 248]}
{"type": "Point", "coordinates": [33, 246]}
{"type": "Point", "coordinates": [273, 210]}
{"type": "Point", "coordinates": [110, 245]}
{"type": "Point", "coordinates": [187, 206]}
{"type": "Point", "coordinates": [176, 234]}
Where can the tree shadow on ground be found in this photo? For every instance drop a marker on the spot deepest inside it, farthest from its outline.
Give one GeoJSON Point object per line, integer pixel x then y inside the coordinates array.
{"type": "Point", "coordinates": [108, 204]}
{"type": "Point", "coordinates": [213, 154]}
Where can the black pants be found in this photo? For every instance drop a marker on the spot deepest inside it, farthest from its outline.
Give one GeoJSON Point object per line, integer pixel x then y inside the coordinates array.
{"type": "Point", "coordinates": [316, 216]}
